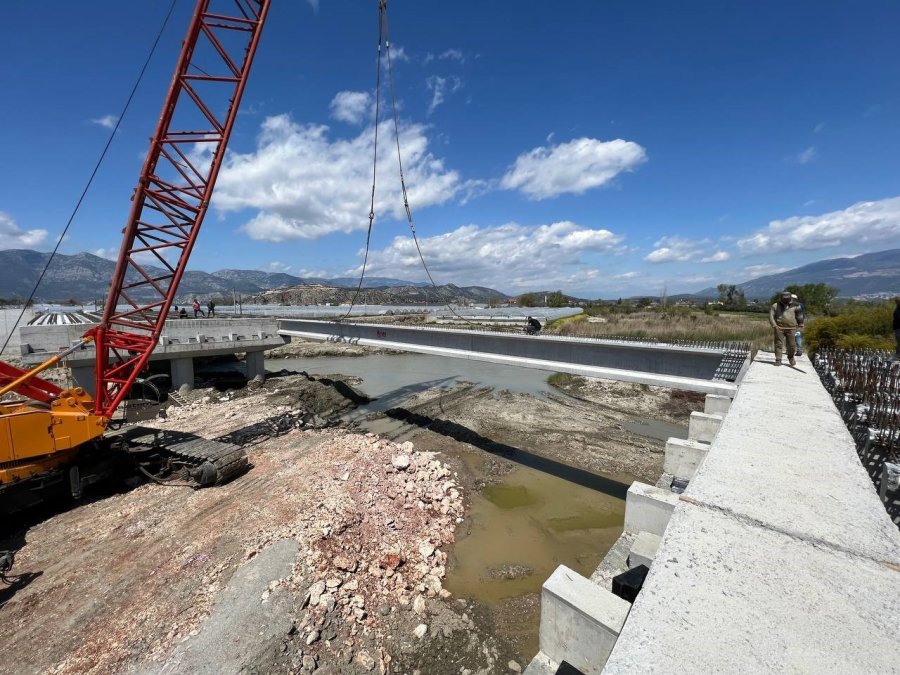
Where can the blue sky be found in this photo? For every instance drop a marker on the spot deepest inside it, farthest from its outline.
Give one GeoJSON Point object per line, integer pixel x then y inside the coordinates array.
{"type": "Point", "coordinates": [604, 148]}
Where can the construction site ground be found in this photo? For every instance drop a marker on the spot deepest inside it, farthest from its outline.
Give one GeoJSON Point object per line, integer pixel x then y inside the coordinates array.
{"type": "Point", "coordinates": [329, 555]}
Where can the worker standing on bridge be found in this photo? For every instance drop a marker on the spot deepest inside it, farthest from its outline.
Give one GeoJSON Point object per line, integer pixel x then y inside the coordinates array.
{"type": "Point", "coordinates": [786, 318]}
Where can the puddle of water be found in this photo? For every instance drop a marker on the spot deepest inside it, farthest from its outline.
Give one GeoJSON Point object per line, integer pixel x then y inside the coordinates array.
{"type": "Point", "coordinates": [521, 530]}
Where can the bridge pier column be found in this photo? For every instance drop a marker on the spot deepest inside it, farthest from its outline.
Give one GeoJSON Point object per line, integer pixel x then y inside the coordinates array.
{"type": "Point", "coordinates": [182, 371]}
{"type": "Point", "coordinates": [256, 364]}
{"type": "Point", "coordinates": [84, 378]}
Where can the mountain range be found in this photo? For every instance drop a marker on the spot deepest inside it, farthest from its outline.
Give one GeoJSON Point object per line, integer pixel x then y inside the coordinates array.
{"type": "Point", "coordinates": [871, 275]}
{"type": "Point", "coordinates": [85, 277]}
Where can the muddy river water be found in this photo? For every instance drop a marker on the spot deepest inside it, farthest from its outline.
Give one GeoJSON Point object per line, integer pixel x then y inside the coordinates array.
{"type": "Point", "coordinates": [520, 529]}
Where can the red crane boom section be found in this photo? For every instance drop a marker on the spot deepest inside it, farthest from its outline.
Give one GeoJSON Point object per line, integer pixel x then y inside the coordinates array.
{"type": "Point", "coordinates": [174, 189]}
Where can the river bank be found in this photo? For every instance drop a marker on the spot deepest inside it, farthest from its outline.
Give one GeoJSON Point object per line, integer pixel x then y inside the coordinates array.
{"type": "Point", "coordinates": [368, 550]}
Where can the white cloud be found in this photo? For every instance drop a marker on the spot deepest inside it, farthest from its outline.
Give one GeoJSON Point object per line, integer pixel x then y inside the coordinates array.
{"type": "Point", "coordinates": [627, 275]}
{"type": "Point", "coordinates": [277, 266]}
{"type": "Point", "coordinates": [440, 88]}
{"type": "Point", "coordinates": [862, 223]}
{"type": "Point", "coordinates": [819, 128]}
{"type": "Point", "coordinates": [314, 4]}
{"type": "Point", "coordinates": [718, 256]}
{"type": "Point", "coordinates": [807, 155]}
{"type": "Point", "coordinates": [679, 249]}
{"type": "Point", "coordinates": [575, 167]}
{"type": "Point", "coordinates": [107, 121]}
{"type": "Point", "coordinates": [505, 256]}
{"type": "Point", "coordinates": [399, 54]}
{"type": "Point", "coordinates": [306, 185]}
{"type": "Point", "coordinates": [12, 236]}
{"type": "Point", "coordinates": [429, 57]}
{"type": "Point", "coordinates": [108, 253]}
{"type": "Point", "coordinates": [762, 270]}
{"type": "Point", "coordinates": [453, 54]}
{"type": "Point", "coordinates": [351, 106]}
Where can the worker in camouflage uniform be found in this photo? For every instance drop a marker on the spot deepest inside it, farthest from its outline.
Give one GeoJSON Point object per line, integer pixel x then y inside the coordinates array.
{"type": "Point", "coordinates": [786, 318]}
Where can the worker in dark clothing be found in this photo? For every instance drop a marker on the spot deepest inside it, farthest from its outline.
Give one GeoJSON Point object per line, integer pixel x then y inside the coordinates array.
{"type": "Point", "coordinates": [182, 313]}
{"type": "Point", "coordinates": [211, 308]}
{"type": "Point", "coordinates": [786, 318]}
{"type": "Point", "coordinates": [532, 326]}
{"type": "Point", "coordinates": [897, 328]}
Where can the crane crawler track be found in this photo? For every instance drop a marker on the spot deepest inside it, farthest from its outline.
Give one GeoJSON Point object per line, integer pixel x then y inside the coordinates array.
{"type": "Point", "coordinates": [186, 456]}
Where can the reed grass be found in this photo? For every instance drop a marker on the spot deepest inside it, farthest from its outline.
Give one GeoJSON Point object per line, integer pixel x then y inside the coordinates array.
{"type": "Point", "coordinates": [675, 325]}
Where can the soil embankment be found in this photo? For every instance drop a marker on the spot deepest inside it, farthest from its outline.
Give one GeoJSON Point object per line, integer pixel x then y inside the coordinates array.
{"type": "Point", "coordinates": [331, 553]}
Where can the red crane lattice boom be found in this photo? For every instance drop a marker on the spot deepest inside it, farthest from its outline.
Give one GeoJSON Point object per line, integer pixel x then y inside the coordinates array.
{"type": "Point", "coordinates": [174, 189]}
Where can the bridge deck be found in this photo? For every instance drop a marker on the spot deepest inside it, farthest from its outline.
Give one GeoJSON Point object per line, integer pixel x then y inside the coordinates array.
{"type": "Point", "coordinates": [779, 556]}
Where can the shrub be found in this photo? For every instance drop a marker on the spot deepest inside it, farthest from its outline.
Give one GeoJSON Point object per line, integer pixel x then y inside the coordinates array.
{"type": "Point", "coordinates": [858, 327]}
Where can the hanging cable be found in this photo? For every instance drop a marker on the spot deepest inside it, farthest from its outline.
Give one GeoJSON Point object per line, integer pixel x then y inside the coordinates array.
{"type": "Point", "coordinates": [409, 217]}
{"type": "Point", "coordinates": [90, 180]}
{"type": "Point", "coordinates": [382, 17]}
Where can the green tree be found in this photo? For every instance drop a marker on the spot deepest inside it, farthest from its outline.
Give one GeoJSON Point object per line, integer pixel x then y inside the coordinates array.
{"type": "Point", "coordinates": [527, 300]}
{"type": "Point", "coordinates": [817, 298]}
{"type": "Point", "coordinates": [557, 299]}
{"type": "Point", "coordinates": [731, 296]}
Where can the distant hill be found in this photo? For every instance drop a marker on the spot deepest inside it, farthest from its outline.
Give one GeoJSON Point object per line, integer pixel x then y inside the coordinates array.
{"type": "Point", "coordinates": [869, 275]}
{"type": "Point", "coordinates": [85, 277]}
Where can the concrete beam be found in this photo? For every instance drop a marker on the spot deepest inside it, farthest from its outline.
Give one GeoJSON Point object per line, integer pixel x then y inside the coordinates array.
{"type": "Point", "coordinates": [683, 457]}
{"type": "Point", "coordinates": [716, 404]}
{"type": "Point", "coordinates": [648, 508]}
{"type": "Point", "coordinates": [703, 427]}
{"type": "Point", "coordinates": [643, 550]}
{"type": "Point", "coordinates": [255, 362]}
{"type": "Point", "coordinates": [580, 621]}
{"type": "Point", "coordinates": [182, 372]}
{"type": "Point", "coordinates": [691, 369]}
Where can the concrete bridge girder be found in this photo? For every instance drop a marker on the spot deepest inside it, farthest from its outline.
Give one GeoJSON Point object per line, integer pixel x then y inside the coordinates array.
{"type": "Point", "coordinates": [686, 368]}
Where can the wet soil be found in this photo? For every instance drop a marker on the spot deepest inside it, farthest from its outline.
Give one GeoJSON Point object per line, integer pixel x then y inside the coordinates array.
{"type": "Point", "coordinates": [133, 582]}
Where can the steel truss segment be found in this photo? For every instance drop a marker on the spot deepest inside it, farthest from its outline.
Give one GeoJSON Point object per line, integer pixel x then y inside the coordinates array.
{"type": "Point", "coordinates": [174, 188]}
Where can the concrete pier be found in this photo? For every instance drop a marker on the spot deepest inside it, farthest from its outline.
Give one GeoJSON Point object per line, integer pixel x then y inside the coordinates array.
{"type": "Point", "coordinates": [181, 342]}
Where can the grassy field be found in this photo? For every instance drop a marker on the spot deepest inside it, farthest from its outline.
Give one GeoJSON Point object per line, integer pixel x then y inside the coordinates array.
{"type": "Point", "coordinates": [679, 324]}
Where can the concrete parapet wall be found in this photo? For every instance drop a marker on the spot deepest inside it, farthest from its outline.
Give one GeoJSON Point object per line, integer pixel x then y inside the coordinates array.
{"type": "Point", "coordinates": [648, 508]}
{"type": "Point", "coordinates": [579, 621]}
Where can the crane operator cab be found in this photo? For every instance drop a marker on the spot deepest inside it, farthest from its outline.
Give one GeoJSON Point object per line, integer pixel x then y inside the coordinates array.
{"type": "Point", "coordinates": [532, 326]}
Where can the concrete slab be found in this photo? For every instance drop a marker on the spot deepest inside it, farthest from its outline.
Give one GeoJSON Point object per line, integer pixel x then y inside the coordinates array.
{"type": "Point", "coordinates": [541, 665]}
{"type": "Point", "coordinates": [784, 458]}
{"type": "Point", "coordinates": [703, 427]}
{"type": "Point", "coordinates": [751, 599]}
{"type": "Point", "coordinates": [579, 621]}
{"type": "Point", "coordinates": [644, 549]}
{"type": "Point", "coordinates": [683, 457]}
{"type": "Point", "coordinates": [648, 508]}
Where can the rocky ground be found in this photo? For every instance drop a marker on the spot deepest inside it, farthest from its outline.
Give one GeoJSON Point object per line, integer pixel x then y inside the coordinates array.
{"type": "Point", "coordinates": [327, 556]}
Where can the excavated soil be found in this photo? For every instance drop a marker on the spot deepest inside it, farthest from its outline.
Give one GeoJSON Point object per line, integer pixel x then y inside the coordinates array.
{"type": "Point", "coordinates": [337, 540]}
